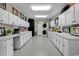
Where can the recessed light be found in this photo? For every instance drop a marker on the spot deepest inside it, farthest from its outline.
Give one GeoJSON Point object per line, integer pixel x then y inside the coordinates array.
{"type": "Point", "coordinates": [40, 16]}
{"type": "Point", "coordinates": [40, 7]}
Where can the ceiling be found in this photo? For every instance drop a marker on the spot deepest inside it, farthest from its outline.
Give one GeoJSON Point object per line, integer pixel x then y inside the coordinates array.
{"type": "Point", "coordinates": [26, 9]}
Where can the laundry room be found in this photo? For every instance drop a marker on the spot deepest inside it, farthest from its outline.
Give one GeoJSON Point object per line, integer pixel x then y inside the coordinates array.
{"type": "Point", "coordinates": [39, 29]}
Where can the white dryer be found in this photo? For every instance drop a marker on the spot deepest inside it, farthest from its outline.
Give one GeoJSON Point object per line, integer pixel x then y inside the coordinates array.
{"type": "Point", "coordinates": [42, 28]}
{"type": "Point", "coordinates": [45, 29]}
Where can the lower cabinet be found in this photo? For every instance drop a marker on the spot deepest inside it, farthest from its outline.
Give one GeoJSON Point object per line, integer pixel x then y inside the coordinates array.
{"type": "Point", "coordinates": [68, 47]}
{"type": "Point", "coordinates": [9, 47]}
{"type": "Point", "coordinates": [65, 47]}
{"type": "Point", "coordinates": [6, 47]}
{"type": "Point", "coordinates": [19, 41]}
{"type": "Point", "coordinates": [61, 45]}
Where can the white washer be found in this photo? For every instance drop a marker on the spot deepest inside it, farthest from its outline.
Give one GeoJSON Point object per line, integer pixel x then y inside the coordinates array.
{"type": "Point", "coordinates": [45, 29]}
{"type": "Point", "coordinates": [42, 28]}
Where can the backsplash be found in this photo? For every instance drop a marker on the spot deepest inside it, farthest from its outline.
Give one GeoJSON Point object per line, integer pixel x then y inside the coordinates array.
{"type": "Point", "coordinates": [75, 30]}
{"type": "Point", "coordinates": [8, 29]}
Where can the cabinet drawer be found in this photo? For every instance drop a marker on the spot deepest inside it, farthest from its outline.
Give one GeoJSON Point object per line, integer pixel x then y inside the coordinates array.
{"type": "Point", "coordinates": [11, 19]}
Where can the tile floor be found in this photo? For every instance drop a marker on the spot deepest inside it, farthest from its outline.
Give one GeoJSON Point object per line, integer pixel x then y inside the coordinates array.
{"type": "Point", "coordinates": [38, 46]}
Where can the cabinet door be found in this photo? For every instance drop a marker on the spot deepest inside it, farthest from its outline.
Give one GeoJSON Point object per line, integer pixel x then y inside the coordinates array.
{"type": "Point", "coordinates": [70, 16]}
{"type": "Point", "coordinates": [52, 38]}
{"type": "Point", "coordinates": [61, 45]}
{"type": "Point", "coordinates": [57, 42]}
{"type": "Point", "coordinates": [77, 13]}
{"type": "Point", "coordinates": [11, 19]}
{"type": "Point", "coordinates": [63, 20]}
{"type": "Point", "coordinates": [15, 20]}
{"type": "Point", "coordinates": [2, 48]}
{"type": "Point", "coordinates": [27, 24]}
{"type": "Point", "coordinates": [52, 23]}
{"type": "Point", "coordinates": [65, 47]}
{"type": "Point", "coordinates": [19, 21]}
{"type": "Point", "coordinates": [60, 20]}
{"type": "Point", "coordinates": [9, 47]}
{"type": "Point", "coordinates": [3, 16]}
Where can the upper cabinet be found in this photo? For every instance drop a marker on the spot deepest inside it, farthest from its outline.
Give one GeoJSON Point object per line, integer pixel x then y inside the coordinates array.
{"type": "Point", "coordinates": [8, 18]}
{"type": "Point", "coordinates": [77, 13]}
{"type": "Point", "coordinates": [70, 16]}
{"type": "Point", "coordinates": [61, 19]}
{"type": "Point", "coordinates": [3, 16]}
{"type": "Point", "coordinates": [52, 23]}
{"type": "Point", "coordinates": [12, 19]}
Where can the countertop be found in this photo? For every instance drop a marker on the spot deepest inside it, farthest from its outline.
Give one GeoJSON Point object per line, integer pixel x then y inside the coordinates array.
{"type": "Point", "coordinates": [66, 35]}
{"type": "Point", "coordinates": [12, 36]}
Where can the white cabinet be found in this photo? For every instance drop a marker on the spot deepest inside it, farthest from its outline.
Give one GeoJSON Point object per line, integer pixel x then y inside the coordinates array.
{"type": "Point", "coordinates": [13, 19]}
{"type": "Point", "coordinates": [6, 47]}
{"type": "Point", "coordinates": [65, 47]}
{"type": "Point", "coordinates": [22, 23]}
{"type": "Point", "coordinates": [28, 24]}
{"type": "Point", "coordinates": [70, 16]}
{"type": "Point", "coordinates": [8, 18]}
{"type": "Point", "coordinates": [19, 21]}
{"type": "Point", "coordinates": [3, 16]}
{"type": "Point", "coordinates": [9, 47]}
{"type": "Point", "coordinates": [62, 19]}
{"type": "Point", "coordinates": [76, 13]}
{"type": "Point", "coordinates": [52, 23]}
{"type": "Point", "coordinates": [58, 42]}
{"type": "Point", "coordinates": [61, 44]}
{"type": "Point", "coordinates": [68, 47]}
{"type": "Point", "coordinates": [21, 40]}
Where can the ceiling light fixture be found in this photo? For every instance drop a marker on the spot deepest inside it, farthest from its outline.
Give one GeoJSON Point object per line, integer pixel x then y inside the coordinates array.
{"type": "Point", "coordinates": [40, 16]}
{"type": "Point", "coordinates": [40, 7]}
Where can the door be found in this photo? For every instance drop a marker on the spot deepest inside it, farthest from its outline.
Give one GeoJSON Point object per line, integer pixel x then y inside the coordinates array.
{"type": "Point", "coordinates": [31, 26]}
{"type": "Point", "coordinates": [40, 29]}
{"type": "Point", "coordinates": [9, 47]}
